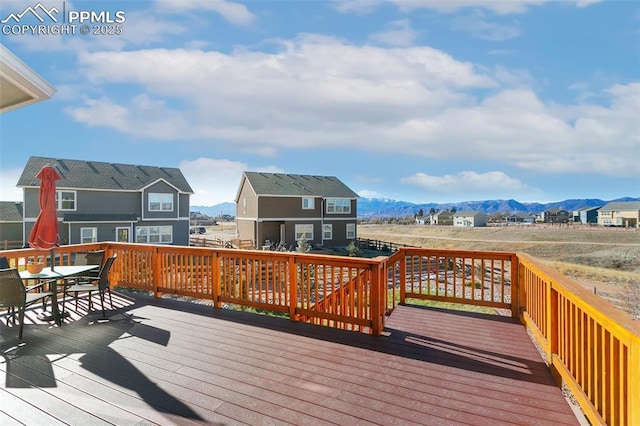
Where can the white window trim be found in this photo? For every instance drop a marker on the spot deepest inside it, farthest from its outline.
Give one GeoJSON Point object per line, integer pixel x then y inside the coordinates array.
{"type": "Point", "coordinates": [341, 204]}
{"type": "Point", "coordinates": [351, 231]}
{"type": "Point", "coordinates": [330, 227]}
{"type": "Point", "coordinates": [161, 200]}
{"type": "Point", "coordinates": [297, 232]}
{"type": "Point", "coordinates": [310, 205]}
{"type": "Point", "coordinates": [94, 234]}
{"type": "Point", "coordinates": [59, 200]}
{"type": "Point", "coordinates": [149, 233]}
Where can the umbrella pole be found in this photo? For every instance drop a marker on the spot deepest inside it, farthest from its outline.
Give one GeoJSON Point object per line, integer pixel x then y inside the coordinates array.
{"type": "Point", "coordinates": [52, 259]}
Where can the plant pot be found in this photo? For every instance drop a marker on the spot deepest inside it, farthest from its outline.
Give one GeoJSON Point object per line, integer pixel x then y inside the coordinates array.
{"type": "Point", "coordinates": [35, 268]}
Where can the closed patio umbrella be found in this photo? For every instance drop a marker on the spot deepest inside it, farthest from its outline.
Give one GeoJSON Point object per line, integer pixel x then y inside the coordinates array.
{"type": "Point", "coordinates": [44, 234]}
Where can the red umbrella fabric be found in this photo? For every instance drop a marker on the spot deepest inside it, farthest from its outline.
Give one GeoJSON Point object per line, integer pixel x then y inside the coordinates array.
{"type": "Point", "coordinates": [44, 234]}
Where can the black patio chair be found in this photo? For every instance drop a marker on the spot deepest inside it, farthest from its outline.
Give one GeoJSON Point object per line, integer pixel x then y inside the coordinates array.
{"type": "Point", "coordinates": [14, 294]}
{"type": "Point", "coordinates": [90, 258]}
{"type": "Point", "coordinates": [91, 284]}
{"type": "Point", "coordinates": [4, 263]}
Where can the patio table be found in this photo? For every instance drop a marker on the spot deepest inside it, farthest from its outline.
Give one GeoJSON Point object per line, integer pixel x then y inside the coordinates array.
{"type": "Point", "coordinates": [58, 273]}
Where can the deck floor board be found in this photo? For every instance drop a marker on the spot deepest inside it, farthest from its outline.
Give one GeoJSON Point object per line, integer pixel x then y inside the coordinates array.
{"type": "Point", "coordinates": [162, 361]}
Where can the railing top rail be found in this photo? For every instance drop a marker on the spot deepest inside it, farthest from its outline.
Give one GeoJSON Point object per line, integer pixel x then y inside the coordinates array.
{"type": "Point", "coordinates": [595, 306]}
{"type": "Point", "coordinates": [498, 255]}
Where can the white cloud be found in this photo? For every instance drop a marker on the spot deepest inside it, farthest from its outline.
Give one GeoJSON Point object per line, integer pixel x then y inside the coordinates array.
{"type": "Point", "coordinates": [471, 185]}
{"type": "Point", "coordinates": [216, 181]}
{"type": "Point", "coordinates": [503, 7]}
{"type": "Point", "coordinates": [398, 33]}
{"type": "Point", "coordinates": [480, 27]}
{"type": "Point", "coordinates": [357, 6]}
{"type": "Point", "coordinates": [233, 12]}
{"type": "Point", "coordinates": [367, 193]}
{"type": "Point", "coordinates": [319, 91]}
{"type": "Point", "coordinates": [8, 189]}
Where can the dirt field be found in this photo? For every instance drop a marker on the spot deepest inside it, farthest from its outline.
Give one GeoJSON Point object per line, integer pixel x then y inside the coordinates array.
{"type": "Point", "coordinates": [603, 260]}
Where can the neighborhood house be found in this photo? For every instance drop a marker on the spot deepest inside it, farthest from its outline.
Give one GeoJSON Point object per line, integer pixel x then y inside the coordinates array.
{"type": "Point", "coordinates": [98, 201]}
{"type": "Point", "coordinates": [282, 209]}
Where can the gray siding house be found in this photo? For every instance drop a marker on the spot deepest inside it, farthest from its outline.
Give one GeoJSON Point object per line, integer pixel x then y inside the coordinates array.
{"type": "Point", "coordinates": [278, 208]}
{"type": "Point", "coordinates": [98, 201]}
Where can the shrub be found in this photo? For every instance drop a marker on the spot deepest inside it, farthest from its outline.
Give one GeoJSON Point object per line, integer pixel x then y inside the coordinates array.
{"type": "Point", "coordinates": [303, 246]}
{"type": "Point", "coordinates": [353, 250]}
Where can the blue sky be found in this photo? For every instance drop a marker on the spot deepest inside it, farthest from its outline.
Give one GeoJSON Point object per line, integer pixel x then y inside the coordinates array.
{"type": "Point", "coordinates": [422, 101]}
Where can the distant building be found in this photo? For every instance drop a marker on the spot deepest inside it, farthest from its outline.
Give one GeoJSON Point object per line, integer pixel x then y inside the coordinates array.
{"type": "Point", "coordinates": [520, 218]}
{"type": "Point", "coordinates": [620, 213]}
{"type": "Point", "coordinates": [443, 218]}
{"type": "Point", "coordinates": [587, 215]}
{"type": "Point", "coordinates": [469, 219]}
{"type": "Point", "coordinates": [555, 215]}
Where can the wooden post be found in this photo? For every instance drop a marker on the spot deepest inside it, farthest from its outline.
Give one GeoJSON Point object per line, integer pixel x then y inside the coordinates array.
{"type": "Point", "coordinates": [293, 288]}
{"type": "Point", "coordinates": [157, 275]}
{"type": "Point", "coordinates": [633, 380]}
{"type": "Point", "coordinates": [515, 286]}
{"type": "Point", "coordinates": [216, 285]}
{"type": "Point", "coordinates": [403, 279]}
{"type": "Point", "coordinates": [376, 300]}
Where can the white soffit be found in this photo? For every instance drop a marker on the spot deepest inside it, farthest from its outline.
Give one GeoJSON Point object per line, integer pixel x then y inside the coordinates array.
{"type": "Point", "coordinates": [19, 84]}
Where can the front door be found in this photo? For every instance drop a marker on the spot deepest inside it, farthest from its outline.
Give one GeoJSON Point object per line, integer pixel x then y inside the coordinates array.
{"type": "Point", "coordinates": [122, 235]}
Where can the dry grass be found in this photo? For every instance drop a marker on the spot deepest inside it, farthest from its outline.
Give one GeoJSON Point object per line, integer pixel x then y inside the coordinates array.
{"type": "Point", "coordinates": [603, 260]}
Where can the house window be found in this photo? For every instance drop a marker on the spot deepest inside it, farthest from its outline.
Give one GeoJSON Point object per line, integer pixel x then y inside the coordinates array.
{"type": "Point", "coordinates": [304, 232]}
{"type": "Point", "coordinates": [351, 231]}
{"type": "Point", "coordinates": [154, 234]}
{"type": "Point", "coordinates": [327, 232]}
{"type": "Point", "coordinates": [160, 202]}
{"type": "Point", "coordinates": [308, 204]}
{"type": "Point", "coordinates": [244, 206]}
{"type": "Point", "coordinates": [88, 235]}
{"type": "Point", "coordinates": [336, 205]}
{"type": "Point", "coordinates": [65, 200]}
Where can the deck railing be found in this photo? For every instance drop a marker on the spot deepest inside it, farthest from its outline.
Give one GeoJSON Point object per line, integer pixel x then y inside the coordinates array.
{"type": "Point", "coordinates": [589, 345]}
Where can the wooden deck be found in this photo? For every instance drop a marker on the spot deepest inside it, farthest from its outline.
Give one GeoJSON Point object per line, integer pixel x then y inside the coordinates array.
{"type": "Point", "coordinates": [169, 362]}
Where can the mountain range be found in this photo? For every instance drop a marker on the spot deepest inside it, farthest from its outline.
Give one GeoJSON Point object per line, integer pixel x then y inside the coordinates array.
{"type": "Point", "coordinates": [384, 207]}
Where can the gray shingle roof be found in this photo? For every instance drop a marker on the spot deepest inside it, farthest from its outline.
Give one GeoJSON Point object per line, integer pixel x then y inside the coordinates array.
{"type": "Point", "coordinates": [11, 211]}
{"type": "Point", "coordinates": [281, 184]}
{"type": "Point", "coordinates": [99, 217]}
{"type": "Point", "coordinates": [621, 205]}
{"type": "Point", "coordinates": [80, 174]}
{"type": "Point", "coordinates": [467, 213]}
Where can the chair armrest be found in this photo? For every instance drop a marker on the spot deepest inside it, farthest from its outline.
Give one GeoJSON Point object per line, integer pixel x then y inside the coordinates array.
{"type": "Point", "coordinates": [40, 285]}
{"type": "Point", "coordinates": [80, 280]}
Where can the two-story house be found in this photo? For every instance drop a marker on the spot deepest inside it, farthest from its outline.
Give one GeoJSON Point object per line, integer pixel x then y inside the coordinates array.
{"type": "Point", "coordinates": [556, 215]}
{"type": "Point", "coordinates": [469, 219]}
{"type": "Point", "coordinates": [444, 217]}
{"type": "Point", "coordinates": [282, 209]}
{"type": "Point", "coordinates": [620, 213]}
{"type": "Point", "coordinates": [98, 201]}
